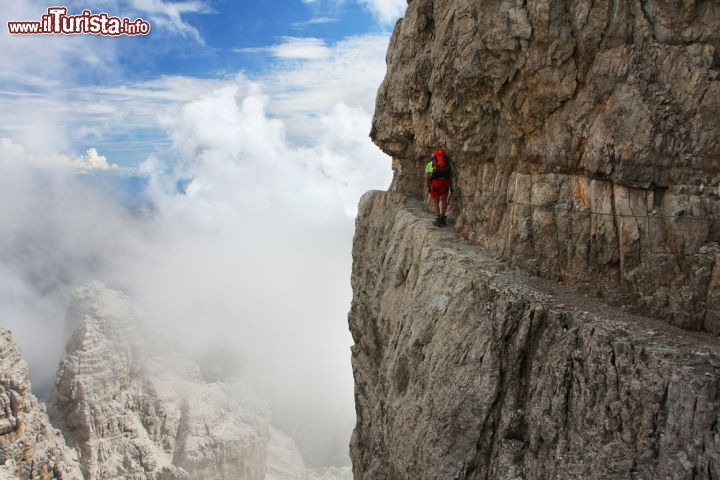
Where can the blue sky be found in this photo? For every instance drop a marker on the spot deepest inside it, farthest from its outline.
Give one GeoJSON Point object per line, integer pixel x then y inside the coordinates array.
{"type": "Point", "coordinates": [86, 79]}
{"type": "Point", "coordinates": [222, 35]}
{"type": "Point", "coordinates": [245, 126]}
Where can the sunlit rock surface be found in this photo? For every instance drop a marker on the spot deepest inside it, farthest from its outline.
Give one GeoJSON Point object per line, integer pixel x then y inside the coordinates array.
{"type": "Point", "coordinates": [136, 409]}
{"type": "Point", "coordinates": [30, 448]}
{"type": "Point", "coordinates": [130, 407]}
{"type": "Point", "coordinates": [467, 370]}
{"type": "Point", "coordinates": [586, 135]}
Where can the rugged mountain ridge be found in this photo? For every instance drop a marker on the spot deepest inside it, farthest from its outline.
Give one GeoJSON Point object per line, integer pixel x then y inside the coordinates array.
{"type": "Point", "coordinates": [132, 406]}
{"type": "Point", "coordinates": [586, 136]}
{"type": "Point", "coordinates": [466, 370]}
{"type": "Point", "coordinates": [129, 406]}
{"type": "Point", "coordinates": [30, 447]}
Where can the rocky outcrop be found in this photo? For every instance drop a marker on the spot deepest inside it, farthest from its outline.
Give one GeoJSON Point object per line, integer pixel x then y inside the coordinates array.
{"type": "Point", "coordinates": [30, 448]}
{"type": "Point", "coordinates": [133, 408]}
{"type": "Point", "coordinates": [467, 370]}
{"type": "Point", "coordinates": [586, 136]}
{"type": "Point", "coordinates": [136, 409]}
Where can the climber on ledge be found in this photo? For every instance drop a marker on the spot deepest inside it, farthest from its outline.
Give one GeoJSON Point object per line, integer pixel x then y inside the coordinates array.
{"type": "Point", "coordinates": [438, 179]}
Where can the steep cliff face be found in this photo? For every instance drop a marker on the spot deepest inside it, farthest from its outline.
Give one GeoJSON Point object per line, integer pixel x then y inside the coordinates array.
{"type": "Point", "coordinates": [465, 370]}
{"type": "Point", "coordinates": [30, 448]}
{"type": "Point", "coordinates": [586, 136]}
{"type": "Point", "coordinates": [136, 409]}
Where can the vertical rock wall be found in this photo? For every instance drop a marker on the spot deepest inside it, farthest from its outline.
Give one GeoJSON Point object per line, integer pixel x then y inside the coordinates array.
{"type": "Point", "coordinates": [586, 136]}
{"type": "Point", "coordinates": [466, 371]}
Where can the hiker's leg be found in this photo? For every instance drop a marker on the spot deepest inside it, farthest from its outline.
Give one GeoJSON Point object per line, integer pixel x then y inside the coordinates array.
{"type": "Point", "coordinates": [436, 204]}
{"type": "Point", "coordinates": [443, 203]}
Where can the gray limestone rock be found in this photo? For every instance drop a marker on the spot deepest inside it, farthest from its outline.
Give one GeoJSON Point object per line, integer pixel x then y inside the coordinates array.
{"type": "Point", "coordinates": [134, 408]}
{"type": "Point", "coordinates": [467, 370]}
{"type": "Point", "coordinates": [586, 137]}
{"type": "Point", "coordinates": [30, 448]}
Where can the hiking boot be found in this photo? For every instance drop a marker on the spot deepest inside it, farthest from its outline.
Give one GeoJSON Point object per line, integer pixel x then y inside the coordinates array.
{"type": "Point", "coordinates": [443, 219]}
{"type": "Point", "coordinates": [438, 221]}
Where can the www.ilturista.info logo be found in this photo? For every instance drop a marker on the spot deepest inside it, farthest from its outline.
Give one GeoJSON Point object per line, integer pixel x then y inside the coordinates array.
{"type": "Point", "coordinates": [58, 22]}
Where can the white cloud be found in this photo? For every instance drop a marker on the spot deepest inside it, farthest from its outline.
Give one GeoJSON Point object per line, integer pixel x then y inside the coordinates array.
{"type": "Point", "coordinates": [45, 100]}
{"type": "Point", "coordinates": [315, 21]}
{"type": "Point", "coordinates": [42, 59]}
{"type": "Point", "coordinates": [293, 48]}
{"type": "Point", "coordinates": [301, 92]}
{"type": "Point", "coordinates": [48, 61]}
{"type": "Point", "coordinates": [301, 48]}
{"type": "Point", "coordinates": [53, 120]}
{"type": "Point", "coordinates": [263, 230]}
{"type": "Point", "coordinates": [386, 11]}
{"type": "Point", "coordinates": [252, 256]}
{"type": "Point", "coordinates": [91, 160]}
{"type": "Point", "coordinates": [163, 15]}
{"type": "Point", "coordinates": [58, 233]}
{"type": "Point", "coordinates": [247, 247]}
{"type": "Point", "coordinates": [169, 15]}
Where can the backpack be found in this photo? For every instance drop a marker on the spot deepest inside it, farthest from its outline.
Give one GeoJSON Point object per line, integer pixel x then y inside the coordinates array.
{"type": "Point", "coordinates": [441, 166]}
